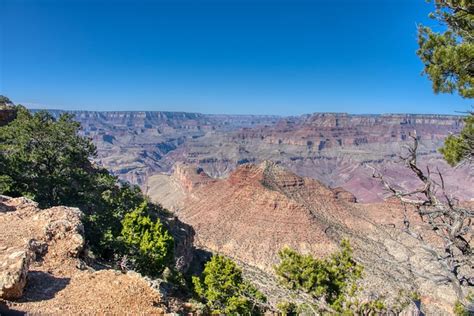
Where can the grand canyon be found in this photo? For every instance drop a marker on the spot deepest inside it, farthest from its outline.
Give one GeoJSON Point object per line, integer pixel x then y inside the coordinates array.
{"type": "Point", "coordinates": [240, 158]}
{"type": "Point", "coordinates": [251, 185]}
{"type": "Point", "coordinates": [337, 149]}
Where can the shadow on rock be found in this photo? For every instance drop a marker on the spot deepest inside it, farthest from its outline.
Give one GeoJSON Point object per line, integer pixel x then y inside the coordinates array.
{"type": "Point", "coordinates": [183, 235]}
{"type": "Point", "coordinates": [5, 311]}
{"type": "Point", "coordinates": [5, 208]}
{"type": "Point", "coordinates": [200, 257]}
{"type": "Point", "coordinates": [42, 286]}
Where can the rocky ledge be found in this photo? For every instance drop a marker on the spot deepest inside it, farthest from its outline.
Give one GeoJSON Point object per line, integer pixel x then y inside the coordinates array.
{"type": "Point", "coordinates": [41, 270]}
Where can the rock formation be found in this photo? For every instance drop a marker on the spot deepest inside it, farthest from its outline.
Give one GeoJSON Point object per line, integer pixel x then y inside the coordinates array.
{"type": "Point", "coordinates": [15, 264]}
{"type": "Point", "coordinates": [7, 114]}
{"type": "Point", "coordinates": [334, 148]}
{"type": "Point", "coordinates": [259, 209]}
{"type": "Point", "coordinates": [41, 271]}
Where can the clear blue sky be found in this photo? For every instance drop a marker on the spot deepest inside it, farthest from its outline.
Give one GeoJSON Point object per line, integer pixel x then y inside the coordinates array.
{"type": "Point", "coordinates": [258, 57]}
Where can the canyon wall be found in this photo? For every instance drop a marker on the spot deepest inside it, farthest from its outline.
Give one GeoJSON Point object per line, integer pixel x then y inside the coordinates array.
{"type": "Point", "coordinates": [260, 209]}
{"type": "Point", "coordinates": [336, 148]}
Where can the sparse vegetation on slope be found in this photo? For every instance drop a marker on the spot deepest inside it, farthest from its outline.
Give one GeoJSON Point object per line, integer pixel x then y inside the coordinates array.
{"type": "Point", "coordinates": [47, 160]}
{"type": "Point", "coordinates": [331, 279]}
{"type": "Point", "coordinates": [332, 284]}
{"type": "Point", "coordinates": [223, 289]}
{"type": "Point", "coordinates": [149, 243]}
{"type": "Point", "coordinates": [448, 219]}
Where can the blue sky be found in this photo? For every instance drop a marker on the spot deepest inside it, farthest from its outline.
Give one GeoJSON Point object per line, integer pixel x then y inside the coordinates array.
{"type": "Point", "coordinates": [255, 57]}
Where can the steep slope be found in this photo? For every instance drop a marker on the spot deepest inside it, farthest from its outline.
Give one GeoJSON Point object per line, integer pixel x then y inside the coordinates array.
{"type": "Point", "coordinates": [259, 209]}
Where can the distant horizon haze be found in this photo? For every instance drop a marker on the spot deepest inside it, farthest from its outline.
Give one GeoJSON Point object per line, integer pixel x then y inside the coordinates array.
{"type": "Point", "coordinates": [35, 108]}
{"type": "Point", "coordinates": [260, 57]}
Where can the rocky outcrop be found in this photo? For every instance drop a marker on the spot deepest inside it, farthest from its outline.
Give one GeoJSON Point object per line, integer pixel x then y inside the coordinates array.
{"type": "Point", "coordinates": [42, 270]}
{"type": "Point", "coordinates": [190, 177]}
{"type": "Point", "coordinates": [23, 245]}
{"type": "Point", "coordinates": [183, 235]}
{"type": "Point", "coordinates": [344, 195]}
{"type": "Point", "coordinates": [7, 114]}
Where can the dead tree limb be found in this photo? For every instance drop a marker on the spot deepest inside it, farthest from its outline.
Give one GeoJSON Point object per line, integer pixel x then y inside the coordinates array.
{"type": "Point", "coordinates": [451, 222]}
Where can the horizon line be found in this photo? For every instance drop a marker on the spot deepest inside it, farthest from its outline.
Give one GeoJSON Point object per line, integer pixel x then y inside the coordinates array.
{"type": "Point", "coordinates": [256, 115]}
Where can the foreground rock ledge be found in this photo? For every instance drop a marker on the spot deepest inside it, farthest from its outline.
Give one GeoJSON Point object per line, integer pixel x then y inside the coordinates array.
{"type": "Point", "coordinates": [40, 269]}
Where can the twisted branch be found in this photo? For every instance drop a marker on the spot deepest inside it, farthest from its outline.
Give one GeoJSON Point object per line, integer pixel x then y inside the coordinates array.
{"type": "Point", "coordinates": [451, 222]}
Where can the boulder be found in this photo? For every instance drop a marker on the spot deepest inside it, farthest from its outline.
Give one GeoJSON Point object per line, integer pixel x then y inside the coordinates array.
{"type": "Point", "coordinates": [27, 232]}
{"type": "Point", "coordinates": [14, 264]}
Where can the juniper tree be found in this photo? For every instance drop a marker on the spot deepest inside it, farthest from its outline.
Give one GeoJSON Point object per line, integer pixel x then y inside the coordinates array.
{"type": "Point", "coordinates": [224, 290]}
{"type": "Point", "coordinates": [448, 54]}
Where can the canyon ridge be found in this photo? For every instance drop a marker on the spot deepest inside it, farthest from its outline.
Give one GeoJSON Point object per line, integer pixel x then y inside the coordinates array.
{"type": "Point", "coordinates": [338, 149]}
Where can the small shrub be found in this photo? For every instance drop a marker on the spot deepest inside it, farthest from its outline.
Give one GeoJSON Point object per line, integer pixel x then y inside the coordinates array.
{"type": "Point", "coordinates": [287, 308]}
{"type": "Point", "coordinates": [461, 309]}
{"type": "Point", "coordinates": [148, 241]}
{"type": "Point", "coordinates": [331, 278]}
{"type": "Point", "coordinates": [224, 290]}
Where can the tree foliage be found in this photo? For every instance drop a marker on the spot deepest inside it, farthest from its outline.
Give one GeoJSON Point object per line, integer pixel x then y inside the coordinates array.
{"type": "Point", "coordinates": [47, 160]}
{"type": "Point", "coordinates": [329, 279]}
{"type": "Point", "coordinates": [460, 148]}
{"type": "Point", "coordinates": [287, 308]}
{"type": "Point", "coordinates": [149, 243]}
{"type": "Point", "coordinates": [105, 210]}
{"type": "Point", "coordinates": [448, 56]}
{"type": "Point", "coordinates": [5, 102]}
{"type": "Point", "coordinates": [224, 290]}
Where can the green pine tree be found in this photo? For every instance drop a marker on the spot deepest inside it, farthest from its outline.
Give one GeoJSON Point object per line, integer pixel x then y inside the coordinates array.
{"type": "Point", "coordinates": [448, 55]}
{"type": "Point", "coordinates": [460, 148]}
{"type": "Point", "coordinates": [224, 290]}
{"type": "Point", "coordinates": [148, 241]}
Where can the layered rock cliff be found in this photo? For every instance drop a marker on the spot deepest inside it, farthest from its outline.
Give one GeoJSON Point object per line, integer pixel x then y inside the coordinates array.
{"type": "Point", "coordinates": [334, 148]}
{"type": "Point", "coordinates": [259, 209]}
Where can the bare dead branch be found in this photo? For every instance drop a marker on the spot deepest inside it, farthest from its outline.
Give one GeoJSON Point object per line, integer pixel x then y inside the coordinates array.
{"type": "Point", "coordinates": [450, 222]}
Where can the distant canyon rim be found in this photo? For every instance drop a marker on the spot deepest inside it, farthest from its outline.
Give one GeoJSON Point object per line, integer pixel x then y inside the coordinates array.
{"type": "Point", "coordinates": [337, 149]}
{"type": "Point", "coordinates": [249, 186]}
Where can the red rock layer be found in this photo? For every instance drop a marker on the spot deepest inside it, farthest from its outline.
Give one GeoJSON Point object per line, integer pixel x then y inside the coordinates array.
{"type": "Point", "coordinates": [259, 209]}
